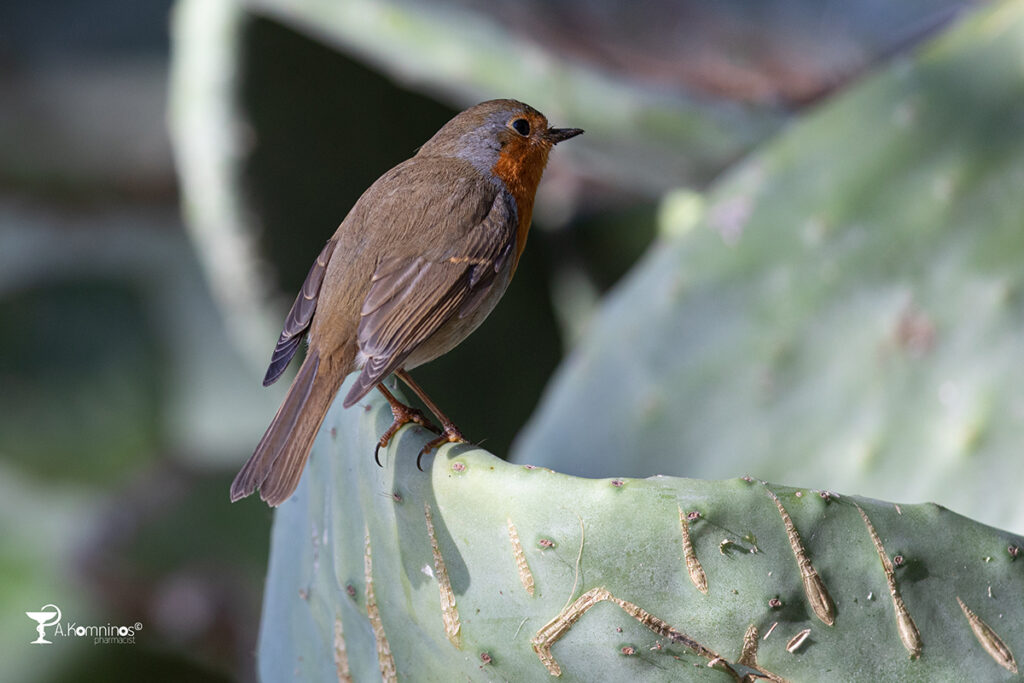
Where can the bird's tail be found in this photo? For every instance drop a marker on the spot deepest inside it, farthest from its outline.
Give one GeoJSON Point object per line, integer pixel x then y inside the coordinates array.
{"type": "Point", "coordinates": [276, 466]}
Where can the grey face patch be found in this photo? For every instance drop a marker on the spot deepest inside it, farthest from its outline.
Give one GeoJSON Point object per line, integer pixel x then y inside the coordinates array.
{"type": "Point", "coordinates": [482, 146]}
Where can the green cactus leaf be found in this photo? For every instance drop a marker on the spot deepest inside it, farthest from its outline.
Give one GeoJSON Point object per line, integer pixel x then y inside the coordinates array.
{"type": "Point", "coordinates": [844, 309]}
{"type": "Point", "coordinates": [483, 570]}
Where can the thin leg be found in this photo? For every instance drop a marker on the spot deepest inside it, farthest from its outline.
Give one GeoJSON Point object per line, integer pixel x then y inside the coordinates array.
{"type": "Point", "coordinates": [449, 432]}
{"type": "Point", "coordinates": [403, 415]}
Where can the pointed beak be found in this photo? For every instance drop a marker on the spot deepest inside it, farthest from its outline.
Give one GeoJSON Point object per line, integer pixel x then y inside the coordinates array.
{"type": "Point", "coordinates": [556, 135]}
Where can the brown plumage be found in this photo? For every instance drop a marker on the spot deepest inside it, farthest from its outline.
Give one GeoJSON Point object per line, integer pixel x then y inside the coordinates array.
{"type": "Point", "coordinates": [419, 262]}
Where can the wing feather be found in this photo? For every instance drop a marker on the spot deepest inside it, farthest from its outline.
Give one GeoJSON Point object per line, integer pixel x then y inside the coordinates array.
{"type": "Point", "coordinates": [409, 300]}
{"type": "Point", "coordinates": [299, 317]}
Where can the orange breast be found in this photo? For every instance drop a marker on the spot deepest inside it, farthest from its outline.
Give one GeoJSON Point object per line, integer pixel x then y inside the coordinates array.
{"type": "Point", "coordinates": [520, 167]}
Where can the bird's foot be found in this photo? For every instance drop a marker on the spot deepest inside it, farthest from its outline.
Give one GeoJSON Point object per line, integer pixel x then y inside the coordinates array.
{"type": "Point", "coordinates": [403, 415]}
{"type": "Point", "coordinates": [448, 434]}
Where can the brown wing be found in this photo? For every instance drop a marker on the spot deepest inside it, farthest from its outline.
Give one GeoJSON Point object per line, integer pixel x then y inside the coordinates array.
{"type": "Point", "coordinates": [410, 299]}
{"type": "Point", "coordinates": [297, 322]}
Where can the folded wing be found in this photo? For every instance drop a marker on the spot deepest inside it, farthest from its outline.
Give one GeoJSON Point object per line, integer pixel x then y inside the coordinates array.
{"type": "Point", "coordinates": [410, 299]}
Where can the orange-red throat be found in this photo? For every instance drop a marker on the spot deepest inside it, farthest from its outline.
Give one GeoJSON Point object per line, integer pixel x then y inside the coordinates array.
{"type": "Point", "coordinates": [520, 166]}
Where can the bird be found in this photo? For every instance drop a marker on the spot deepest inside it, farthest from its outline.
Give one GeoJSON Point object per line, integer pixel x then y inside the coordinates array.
{"type": "Point", "coordinates": [419, 262]}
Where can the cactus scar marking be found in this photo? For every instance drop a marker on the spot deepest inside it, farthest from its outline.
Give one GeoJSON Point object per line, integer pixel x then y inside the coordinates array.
{"type": "Point", "coordinates": [384, 659]}
{"type": "Point", "coordinates": [563, 621]}
{"type": "Point", "coordinates": [340, 654]}
{"type": "Point", "coordinates": [748, 655]}
{"type": "Point", "coordinates": [521, 624]}
{"type": "Point", "coordinates": [696, 571]}
{"type": "Point", "coordinates": [814, 588]}
{"type": "Point", "coordinates": [449, 610]}
{"type": "Point", "coordinates": [796, 641]}
{"type": "Point", "coordinates": [992, 643]}
{"type": "Point", "coordinates": [579, 558]}
{"type": "Point", "coordinates": [316, 549]}
{"type": "Point", "coordinates": [525, 575]}
{"type": "Point", "coordinates": [549, 634]}
{"type": "Point", "coordinates": [909, 634]}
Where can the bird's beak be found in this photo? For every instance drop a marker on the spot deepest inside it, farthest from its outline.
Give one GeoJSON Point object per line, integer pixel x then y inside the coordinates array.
{"type": "Point", "coordinates": [556, 135]}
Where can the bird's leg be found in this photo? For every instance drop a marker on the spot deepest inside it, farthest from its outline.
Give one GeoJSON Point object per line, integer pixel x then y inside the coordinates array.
{"type": "Point", "coordinates": [403, 415]}
{"type": "Point", "coordinates": [449, 432]}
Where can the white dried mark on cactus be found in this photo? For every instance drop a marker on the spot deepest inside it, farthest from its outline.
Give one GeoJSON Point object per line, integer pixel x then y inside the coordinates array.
{"type": "Point", "coordinates": [798, 640]}
{"type": "Point", "coordinates": [341, 654]}
{"type": "Point", "coordinates": [814, 587]}
{"type": "Point", "coordinates": [385, 660]}
{"type": "Point", "coordinates": [449, 610]}
{"type": "Point", "coordinates": [693, 566]}
{"type": "Point", "coordinates": [989, 640]}
{"type": "Point", "coordinates": [525, 575]}
{"type": "Point", "coordinates": [909, 634]}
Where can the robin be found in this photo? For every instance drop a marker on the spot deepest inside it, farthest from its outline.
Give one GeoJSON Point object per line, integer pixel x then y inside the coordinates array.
{"type": "Point", "coordinates": [419, 262]}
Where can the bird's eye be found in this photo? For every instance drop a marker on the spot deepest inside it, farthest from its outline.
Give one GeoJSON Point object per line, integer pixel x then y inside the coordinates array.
{"type": "Point", "coordinates": [521, 126]}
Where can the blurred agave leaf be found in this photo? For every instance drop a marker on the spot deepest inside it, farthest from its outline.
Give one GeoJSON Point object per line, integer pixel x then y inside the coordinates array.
{"type": "Point", "coordinates": [846, 311]}
{"type": "Point", "coordinates": [112, 351]}
{"type": "Point", "coordinates": [668, 92]}
{"type": "Point", "coordinates": [108, 561]}
{"type": "Point", "coordinates": [117, 376]}
{"type": "Point", "coordinates": [67, 344]}
{"type": "Point", "coordinates": [199, 592]}
{"type": "Point", "coordinates": [779, 53]}
{"type": "Point", "coordinates": [39, 522]}
{"type": "Point", "coordinates": [60, 136]}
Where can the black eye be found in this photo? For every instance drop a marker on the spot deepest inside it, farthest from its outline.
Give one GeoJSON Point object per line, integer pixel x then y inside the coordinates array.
{"type": "Point", "coordinates": [521, 126]}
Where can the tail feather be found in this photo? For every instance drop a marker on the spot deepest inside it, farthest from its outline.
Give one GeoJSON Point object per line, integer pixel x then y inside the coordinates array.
{"type": "Point", "coordinates": [278, 461]}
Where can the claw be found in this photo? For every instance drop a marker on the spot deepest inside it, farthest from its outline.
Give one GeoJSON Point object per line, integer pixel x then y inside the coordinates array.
{"type": "Point", "coordinates": [450, 434]}
{"type": "Point", "coordinates": [403, 415]}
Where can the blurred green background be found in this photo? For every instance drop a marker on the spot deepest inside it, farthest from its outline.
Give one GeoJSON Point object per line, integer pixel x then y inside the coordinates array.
{"type": "Point", "coordinates": [142, 281]}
